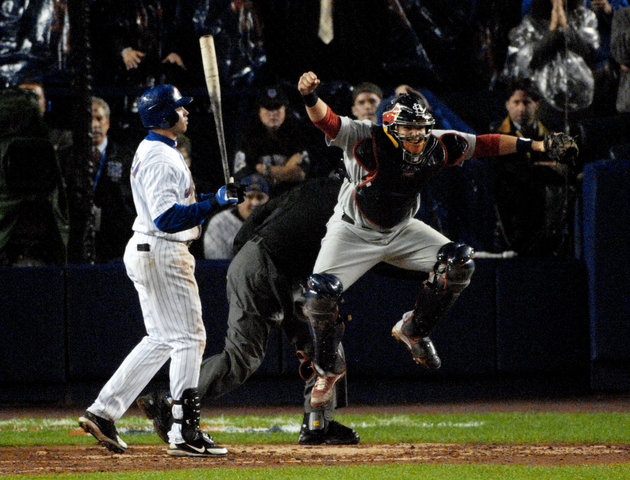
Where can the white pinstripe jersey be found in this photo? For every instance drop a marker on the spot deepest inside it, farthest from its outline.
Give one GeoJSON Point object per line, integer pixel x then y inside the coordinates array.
{"type": "Point", "coordinates": [159, 179]}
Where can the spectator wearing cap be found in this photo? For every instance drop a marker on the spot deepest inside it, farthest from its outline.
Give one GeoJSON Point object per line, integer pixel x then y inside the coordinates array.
{"type": "Point", "coordinates": [366, 97]}
{"type": "Point", "coordinates": [273, 144]}
{"type": "Point", "coordinates": [60, 138]}
{"type": "Point", "coordinates": [226, 224]}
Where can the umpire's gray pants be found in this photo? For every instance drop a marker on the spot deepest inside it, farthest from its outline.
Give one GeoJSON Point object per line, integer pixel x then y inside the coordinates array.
{"type": "Point", "coordinates": [260, 298]}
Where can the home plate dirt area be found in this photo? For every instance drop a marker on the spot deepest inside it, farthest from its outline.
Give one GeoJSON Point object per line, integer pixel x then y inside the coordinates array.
{"type": "Point", "coordinates": [94, 458]}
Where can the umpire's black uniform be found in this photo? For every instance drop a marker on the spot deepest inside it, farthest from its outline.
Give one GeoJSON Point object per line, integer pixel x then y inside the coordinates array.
{"type": "Point", "coordinates": [277, 247]}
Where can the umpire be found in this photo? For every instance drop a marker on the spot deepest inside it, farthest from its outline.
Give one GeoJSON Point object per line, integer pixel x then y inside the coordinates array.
{"type": "Point", "coordinates": [276, 249]}
{"type": "Point", "coordinates": [275, 252]}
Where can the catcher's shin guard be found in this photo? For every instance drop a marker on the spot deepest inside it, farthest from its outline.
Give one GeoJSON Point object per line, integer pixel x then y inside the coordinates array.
{"type": "Point", "coordinates": [321, 309]}
{"type": "Point", "coordinates": [452, 273]}
{"type": "Point", "coordinates": [305, 368]}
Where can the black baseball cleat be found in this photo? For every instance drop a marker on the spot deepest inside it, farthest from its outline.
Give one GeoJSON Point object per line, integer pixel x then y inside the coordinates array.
{"type": "Point", "coordinates": [157, 407]}
{"type": "Point", "coordinates": [104, 431]}
{"type": "Point", "coordinates": [422, 349]}
{"type": "Point", "coordinates": [334, 433]}
{"type": "Point", "coordinates": [202, 446]}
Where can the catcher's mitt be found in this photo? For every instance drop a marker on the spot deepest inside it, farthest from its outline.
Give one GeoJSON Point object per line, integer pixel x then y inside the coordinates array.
{"type": "Point", "coordinates": [561, 148]}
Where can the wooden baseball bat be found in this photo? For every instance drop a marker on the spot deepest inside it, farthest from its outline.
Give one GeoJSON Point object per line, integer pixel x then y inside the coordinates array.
{"type": "Point", "coordinates": [211, 71]}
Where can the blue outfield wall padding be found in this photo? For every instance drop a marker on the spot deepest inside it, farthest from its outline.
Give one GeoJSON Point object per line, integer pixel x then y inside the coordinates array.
{"type": "Point", "coordinates": [211, 277]}
{"type": "Point", "coordinates": [104, 320]}
{"type": "Point", "coordinates": [542, 324]}
{"type": "Point", "coordinates": [606, 211]}
{"type": "Point", "coordinates": [32, 312]}
{"type": "Point", "coordinates": [370, 308]}
{"type": "Point", "coordinates": [464, 340]}
{"type": "Point", "coordinates": [610, 376]}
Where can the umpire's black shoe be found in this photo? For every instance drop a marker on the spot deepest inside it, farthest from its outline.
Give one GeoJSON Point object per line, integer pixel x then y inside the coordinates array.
{"type": "Point", "coordinates": [334, 433]}
{"type": "Point", "coordinates": [157, 407]}
{"type": "Point", "coordinates": [202, 446]}
{"type": "Point", "coordinates": [104, 431]}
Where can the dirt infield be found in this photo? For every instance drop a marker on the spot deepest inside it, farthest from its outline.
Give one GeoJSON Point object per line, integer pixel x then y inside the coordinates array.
{"type": "Point", "coordinates": [87, 459]}
{"type": "Point", "coordinates": [94, 458]}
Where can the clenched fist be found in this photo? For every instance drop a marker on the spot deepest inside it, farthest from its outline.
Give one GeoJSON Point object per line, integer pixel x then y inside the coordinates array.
{"type": "Point", "coordinates": [308, 83]}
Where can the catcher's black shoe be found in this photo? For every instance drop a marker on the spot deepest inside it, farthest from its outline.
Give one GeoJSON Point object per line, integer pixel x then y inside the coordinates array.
{"type": "Point", "coordinates": [202, 446]}
{"type": "Point", "coordinates": [422, 349]}
{"type": "Point", "coordinates": [157, 407]}
{"type": "Point", "coordinates": [104, 431]}
{"type": "Point", "coordinates": [334, 433]}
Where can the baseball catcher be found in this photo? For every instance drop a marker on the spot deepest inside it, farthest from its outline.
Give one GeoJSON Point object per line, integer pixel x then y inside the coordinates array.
{"type": "Point", "coordinates": [373, 221]}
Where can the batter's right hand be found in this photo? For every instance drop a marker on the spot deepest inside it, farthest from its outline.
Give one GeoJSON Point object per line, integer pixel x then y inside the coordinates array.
{"type": "Point", "coordinates": [308, 83]}
{"type": "Point", "coordinates": [229, 194]}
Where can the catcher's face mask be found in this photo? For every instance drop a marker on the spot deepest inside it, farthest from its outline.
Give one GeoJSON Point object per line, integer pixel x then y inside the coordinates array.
{"type": "Point", "coordinates": [408, 123]}
{"type": "Point", "coordinates": [413, 138]}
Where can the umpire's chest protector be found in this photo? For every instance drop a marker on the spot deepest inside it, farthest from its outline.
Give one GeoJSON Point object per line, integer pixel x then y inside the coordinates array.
{"type": "Point", "coordinates": [389, 193]}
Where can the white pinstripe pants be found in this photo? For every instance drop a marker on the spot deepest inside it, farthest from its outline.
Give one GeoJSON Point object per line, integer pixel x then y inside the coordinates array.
{"type": "Point", "coordinates": [169, 298]}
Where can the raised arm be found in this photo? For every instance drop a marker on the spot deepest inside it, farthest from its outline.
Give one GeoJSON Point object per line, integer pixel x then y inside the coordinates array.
{"type": "Point", "coordinates": [315, 106]}
{"type": "Point", "coordinates": [318, 111]}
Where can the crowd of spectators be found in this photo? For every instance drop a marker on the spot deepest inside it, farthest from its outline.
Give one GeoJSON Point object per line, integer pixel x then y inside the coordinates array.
{"type": "Point", "coordinates": [558, 61]}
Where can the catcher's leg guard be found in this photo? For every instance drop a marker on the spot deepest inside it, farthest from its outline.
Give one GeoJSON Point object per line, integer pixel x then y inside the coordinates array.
{"type": "Point", "coordinates": [305, 369]}
{"type": "Point", "coordinates": [452, 273]}
{"type": "Point", "coordinates": [327, 330]}
{"type": "Point", "coordinates": [421, 348]}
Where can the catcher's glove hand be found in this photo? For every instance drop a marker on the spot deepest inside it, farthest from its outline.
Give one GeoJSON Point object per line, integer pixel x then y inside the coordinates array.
{"type": "Point", "coordinates": [561, 148]}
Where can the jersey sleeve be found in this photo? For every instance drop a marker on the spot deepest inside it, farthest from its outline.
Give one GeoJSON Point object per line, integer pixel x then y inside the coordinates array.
{"type": "Point", "coordinates": [350, 132]}
{"type": "Point", "coordinates": [459, 146]}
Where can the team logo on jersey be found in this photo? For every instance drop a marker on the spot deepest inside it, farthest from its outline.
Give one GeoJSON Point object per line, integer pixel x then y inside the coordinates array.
{"type": "Point", "coordinates": [390, 116]}
{"type": "Point", "coordinates": [114, 171]}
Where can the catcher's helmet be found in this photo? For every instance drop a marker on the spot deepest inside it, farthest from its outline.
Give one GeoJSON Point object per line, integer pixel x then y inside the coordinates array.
{"type": "Point", "coordinates": [408, 110]}
{"type": "Point", "coordinates": [157, 106]}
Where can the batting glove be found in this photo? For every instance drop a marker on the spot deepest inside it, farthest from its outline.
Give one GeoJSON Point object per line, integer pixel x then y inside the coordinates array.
{"type": "Point", "coordinates": [229, 194]}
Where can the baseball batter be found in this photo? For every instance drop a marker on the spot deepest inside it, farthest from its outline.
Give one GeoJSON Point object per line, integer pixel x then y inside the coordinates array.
{"type": "Point", "coordinates": [277, 246]}
{"type": "Point", "coordinates": [373, 221]}
{"type": "Point", "coordinates": [158, 262]}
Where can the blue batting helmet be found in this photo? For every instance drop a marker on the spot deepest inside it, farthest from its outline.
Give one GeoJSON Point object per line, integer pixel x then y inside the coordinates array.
{"type": "Point", "coordinates": [157, 106]}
